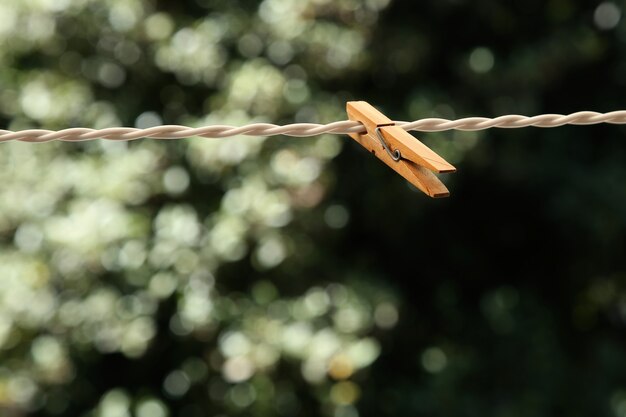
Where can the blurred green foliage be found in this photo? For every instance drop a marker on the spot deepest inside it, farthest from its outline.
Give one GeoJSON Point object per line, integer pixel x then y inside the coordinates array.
{"type": "Point", "coordinates": [282, 276]}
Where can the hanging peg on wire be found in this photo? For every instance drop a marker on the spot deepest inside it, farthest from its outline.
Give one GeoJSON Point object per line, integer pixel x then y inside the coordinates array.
{"type": "Point", "coordinates": [401, 151]}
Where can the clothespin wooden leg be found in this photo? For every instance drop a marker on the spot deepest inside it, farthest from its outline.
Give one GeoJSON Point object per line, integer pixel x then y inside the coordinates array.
{"type": "Point", "coordinates": [399, 150]}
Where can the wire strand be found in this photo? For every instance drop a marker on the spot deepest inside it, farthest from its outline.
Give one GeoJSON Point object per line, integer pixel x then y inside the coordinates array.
{"type": "Point", "coordinates": [310, 129]}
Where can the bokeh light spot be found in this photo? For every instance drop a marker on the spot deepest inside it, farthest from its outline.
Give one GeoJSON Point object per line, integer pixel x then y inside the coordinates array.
{"type": "Point", "coordinates": [607, 15]}
{"type": "Point", "coordinates": [147, 120]}
{"type": "Point", "coordinates": [481, 60]}
{"type": "Point", "coordinates": [336, 216]}
{"type": "Point", "coordinates": [176, 384]}
{"type": "Point", "coordinates": [434, 360]}
{"type": "Point", "coordinates": [344, 393]}
{"type": "Point", "coordinates": [386, 315]}
{"type": "Point", "coordinates": [152, 408]}
{"type": "Point", "coordinates": [341, 367]}
{"type": "Point", "coordinates": [159, 26]}
{"type": "Point", "coordinates": [176, 180]}
{"type": "Point", "coordinates": [238, 369]}
{"type": "Point", "coordinates": [111, 75]}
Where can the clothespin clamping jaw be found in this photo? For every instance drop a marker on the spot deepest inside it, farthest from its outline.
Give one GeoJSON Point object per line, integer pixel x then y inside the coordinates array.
{"type": "Point", "coordinates": [400, 150]}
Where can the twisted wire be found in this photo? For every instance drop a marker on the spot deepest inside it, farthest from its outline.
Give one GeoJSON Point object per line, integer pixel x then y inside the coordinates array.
{"type": "Point", "coordinates": [309, 129]}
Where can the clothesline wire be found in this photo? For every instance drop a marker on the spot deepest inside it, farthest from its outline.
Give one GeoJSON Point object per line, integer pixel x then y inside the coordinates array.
{"type": "Point", "coordinates": [310, 129]}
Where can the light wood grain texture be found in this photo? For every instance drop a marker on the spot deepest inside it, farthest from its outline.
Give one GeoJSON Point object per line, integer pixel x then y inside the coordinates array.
{"type": "Point", "coordinates": [367, 114]}
{"type": "Point", "coordinates": [417, 160]}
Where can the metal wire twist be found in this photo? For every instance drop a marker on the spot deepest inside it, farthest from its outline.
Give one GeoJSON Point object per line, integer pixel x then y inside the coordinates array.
{"type": "Point", "coordinates": [309, 129]}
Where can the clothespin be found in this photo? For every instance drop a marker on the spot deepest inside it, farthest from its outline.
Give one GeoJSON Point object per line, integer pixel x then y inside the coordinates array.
{"type": "Point", "coordinates": [400, 150]}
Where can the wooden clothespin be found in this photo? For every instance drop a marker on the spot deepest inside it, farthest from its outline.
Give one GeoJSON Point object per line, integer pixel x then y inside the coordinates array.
{"type": "Point", "coordinates": [400, 150]}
